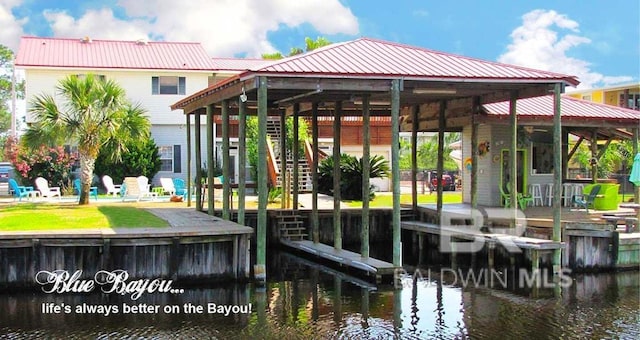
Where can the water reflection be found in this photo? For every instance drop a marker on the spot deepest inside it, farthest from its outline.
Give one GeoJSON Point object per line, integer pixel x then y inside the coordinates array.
{"type": "Point", "coordinates": [304, 300]}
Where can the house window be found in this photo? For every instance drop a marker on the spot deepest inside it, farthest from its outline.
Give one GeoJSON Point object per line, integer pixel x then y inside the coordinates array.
{"type": "Point", "coordinates": [542, 158]}
{"type": "Point", "coordinates": [100, 77]}
{"type": "Point", "coordinates": [170, 158]}
{"type": "Point", "coordinates": [168, 85]}
{"type": "Point", "coordinates": [633, 101]}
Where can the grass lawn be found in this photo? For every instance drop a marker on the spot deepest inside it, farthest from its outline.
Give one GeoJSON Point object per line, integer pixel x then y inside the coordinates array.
{"type": "Point", "coordinates": [40, 216]}
{"type": "Point", "coordinates": [386, 200]}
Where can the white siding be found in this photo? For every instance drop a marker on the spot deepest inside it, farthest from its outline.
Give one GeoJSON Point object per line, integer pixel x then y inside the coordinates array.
{"type": "Point", "coordinates": [137, 84]}
{"type": "Point", "coordinates": [488, 171]}
{"type": "Point", "coordinates": [168, 127]}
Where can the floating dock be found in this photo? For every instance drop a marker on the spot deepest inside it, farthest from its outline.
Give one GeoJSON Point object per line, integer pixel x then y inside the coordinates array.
{"type": "Point", "coordinates": [343, 257]}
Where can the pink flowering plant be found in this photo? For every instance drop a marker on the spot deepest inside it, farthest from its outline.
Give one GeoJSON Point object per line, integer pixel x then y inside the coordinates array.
{"type": "Point", "coordinates": [51, 163]}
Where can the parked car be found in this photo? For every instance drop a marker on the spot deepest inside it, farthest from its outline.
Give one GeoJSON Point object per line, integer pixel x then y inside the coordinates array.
{"type": "Point", "coordinates": [448, 183]}
{"type": "Point", "coordinates": [5, 172]}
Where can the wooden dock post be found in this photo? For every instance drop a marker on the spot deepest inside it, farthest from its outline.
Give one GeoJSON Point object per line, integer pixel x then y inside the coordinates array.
{"type": "Point", "coordinates": [395, 170]}
{"type": "Point", "coordinates": [366, 148]}
{"type": "Point", "coordinates": [557, 177]}
{"type": "Point", "coordinates": [259, 271]}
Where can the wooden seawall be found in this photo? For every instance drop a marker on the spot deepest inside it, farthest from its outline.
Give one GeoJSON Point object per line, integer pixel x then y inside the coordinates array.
{"type": "Point", "coordinates": [196, 247]}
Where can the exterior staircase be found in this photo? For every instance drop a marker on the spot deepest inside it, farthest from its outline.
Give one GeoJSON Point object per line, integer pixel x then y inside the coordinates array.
{"type": "Point", "coordinates": [304, 169]}
{"type": "Point", "coordinates": [290, 225]}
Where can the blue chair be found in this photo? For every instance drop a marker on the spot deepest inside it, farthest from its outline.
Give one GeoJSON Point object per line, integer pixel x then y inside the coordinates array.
{"type": "Point", "coordinates": [20, 191]}
{"type": "Point", "coordinates": [181, 189]}
{"type": "Point", "coordinates": [77, 186]}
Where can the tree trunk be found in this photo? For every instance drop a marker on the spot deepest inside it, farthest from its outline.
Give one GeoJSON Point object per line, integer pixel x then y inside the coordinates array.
{"type": "Point", "coordinates": [87, 164]}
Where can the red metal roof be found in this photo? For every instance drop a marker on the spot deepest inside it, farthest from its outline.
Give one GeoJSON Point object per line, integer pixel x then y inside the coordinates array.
{"type": "Point", "coordinates": [239, 64]}
{"type": "Point", "coordinates": [569, 108]}
{"type": "Point", "coordinates": [87, 53]}
{"type": "Point", "coordinates": [370, 57]}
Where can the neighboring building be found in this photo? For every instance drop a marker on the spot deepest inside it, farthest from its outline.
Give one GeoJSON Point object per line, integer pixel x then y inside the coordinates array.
{"type": "Point", "coordinates": [155, 74]}
{"type": "Point", "coordinates": [627, 96]}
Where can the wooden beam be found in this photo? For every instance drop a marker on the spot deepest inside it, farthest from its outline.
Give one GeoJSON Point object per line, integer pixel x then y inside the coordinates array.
{"type": "Point", "coordinates": [414, 158]}
{"type": "Point", "coordinates": [474, 152]}
{"type": "Point", "coordinates": [395, 170]}
{"type": "Point", "coordinates": [242, 159]}
{"type": "Point", "coordinates": [210, 141]}
{"type": "Point", "coordinates": [513, 152]}
{"type": "Point", "coordinates": [604, 148]}
{"type": "Point", "coordinates": [575, 148]}
{"type": "Point", "coordinates": [314, 175]}
{"type": "Point", "coordinates": [296, 151]}
{"type": "Point", "coordinates": [337, 213]}
{"type": "Point", "coordinates": [557, 176]}
{"type": "Point", "coordinates": [366, 165]}
{"type": "Point", "coordinates": [442, 125]}
{"type": "Point", "coordinates": [226, 160]}
{"type": "Point", "coordinates": [325, 84]}
{"type": "Point", "coordinates": [232, 90]}
{"type": "Point", "coordinates": [188, 184]}
{"type": "Point", "coordinates": [198, 142]}
{"type": "Point", "coordinates": [261, 232]}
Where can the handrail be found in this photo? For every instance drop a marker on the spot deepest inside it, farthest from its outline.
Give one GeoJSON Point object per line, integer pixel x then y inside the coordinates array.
{"type": "Point", "coordinates": [272, 166]}
{"type": "Point", "coordinates": [308, 152]}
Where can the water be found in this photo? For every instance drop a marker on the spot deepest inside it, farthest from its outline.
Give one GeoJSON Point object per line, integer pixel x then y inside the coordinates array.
{"type": "Point", "coordinates": [314, 302]}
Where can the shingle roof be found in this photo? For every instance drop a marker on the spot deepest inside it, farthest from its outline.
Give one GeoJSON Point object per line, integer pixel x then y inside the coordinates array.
{"type": "Point", "coordinates": [370, 57]}
{"type": "Point", "coordinates": [572, 108]}
{"type": "Point", "coordinates": [87, 53]}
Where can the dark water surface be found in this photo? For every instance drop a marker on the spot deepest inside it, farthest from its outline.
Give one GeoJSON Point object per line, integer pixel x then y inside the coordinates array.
{"type": "Point", "coordinates": [305, 301]}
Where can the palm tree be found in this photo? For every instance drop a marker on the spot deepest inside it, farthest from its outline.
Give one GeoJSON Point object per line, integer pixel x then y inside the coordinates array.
{"type": "Point", "coordinates": [94, 114]}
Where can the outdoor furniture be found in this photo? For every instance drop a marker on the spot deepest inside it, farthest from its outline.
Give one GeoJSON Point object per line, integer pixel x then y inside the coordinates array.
{"type": "Point", "coordinates": [20, 191]}
{"type": "Point", "coordinates": [112, 189]}
{"type": "Point", "coordinates": [138, 188]}
{"type": "Point", "coordinates": [46, 190]}
{"type": "Point", "coordinates": [181, 189]}
{"type": "Point", "coordinates": [77, 187]}
{"type": "Point", "coordinates": [607, 199]}
{"type": "Point", "coordinates": [586, 201]}
{"type": "Point", "coordinates": [536, 194]}
{"type": "Point", "coordinates": [505, 198]}
{"type": "Point", "coordinates": [167, 186]}
{"type": "Point", "coordinates": [522, 199]}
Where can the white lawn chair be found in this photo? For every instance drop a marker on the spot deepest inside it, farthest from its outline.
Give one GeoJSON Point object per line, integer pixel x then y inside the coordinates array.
{"type": "Point", "coordinates": [46, 190]}
{"type": "Point", "coordinates": [167, 186]}
{"type": "Point", "coordinates": [112, 189]}
{"type": "Point", "coordinates": [145, 188]}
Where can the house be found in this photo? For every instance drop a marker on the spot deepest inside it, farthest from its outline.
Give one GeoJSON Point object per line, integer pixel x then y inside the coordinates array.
{"type": "Point", "coordinates": [627, 95]}
{"type": "Point", "coordinates": [581, 121]}
{"type": "Point", "coordinates": [155, 74]}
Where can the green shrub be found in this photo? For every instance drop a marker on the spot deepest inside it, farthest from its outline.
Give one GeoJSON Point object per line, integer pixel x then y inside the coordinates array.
{"type": "Point", "coordinates": [140, 159]}
{"type": "Point", "coordinates": [350, 175]}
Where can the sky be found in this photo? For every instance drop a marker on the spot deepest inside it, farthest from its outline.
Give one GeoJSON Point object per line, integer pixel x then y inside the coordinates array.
{"type": "Point", "coordinates": [597, 41]}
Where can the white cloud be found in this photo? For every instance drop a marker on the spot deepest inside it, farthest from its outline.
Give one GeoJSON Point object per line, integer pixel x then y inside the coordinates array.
{"type": "Point", "coordinates": [224, 27]}
{"type": "Point", "coordinates": [96, 24]}
{"type": "Point", "coordinates": [11, 30]}
{"type": "Point", "coordinates": [537, 44]}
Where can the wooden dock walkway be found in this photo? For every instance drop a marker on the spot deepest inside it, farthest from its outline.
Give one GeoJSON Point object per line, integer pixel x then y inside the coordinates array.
{"type": "Point", "coordinates": [343, 257]}
{"type": "Point", "coordinates": [469, 233]}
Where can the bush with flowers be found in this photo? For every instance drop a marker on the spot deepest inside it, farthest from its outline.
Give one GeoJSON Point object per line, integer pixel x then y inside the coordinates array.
{"type": "Point", "coordinates": [52, 163]}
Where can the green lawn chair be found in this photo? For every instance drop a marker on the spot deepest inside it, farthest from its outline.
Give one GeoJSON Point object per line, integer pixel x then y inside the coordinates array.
{"type": "Point", "coordinates": [586, 201]}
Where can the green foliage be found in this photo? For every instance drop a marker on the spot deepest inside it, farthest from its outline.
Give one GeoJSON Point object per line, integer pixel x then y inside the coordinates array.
{"type": "Point", "coordinates": [6, 72]}
{"type": "Point", "coordinates": [275, 195]}
{"type": "Point", "coordinates": [53, 164]}
{"type": "Point", "coordinates": [350, 175]}
{"type": "Point", "coordinates": [94, 114]}
{"type": "Point", "coordinates": [310, 45]}
{"type": "Point", "coordinates": [140, 159]}
{"type": "Point", "coordinates": [252, 139]}
{"type": "Point", "coordinates": [611, 159]}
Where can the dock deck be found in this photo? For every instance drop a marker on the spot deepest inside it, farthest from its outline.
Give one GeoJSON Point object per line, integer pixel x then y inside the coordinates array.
{"type": "Point", "coordinates": [343, 257]}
